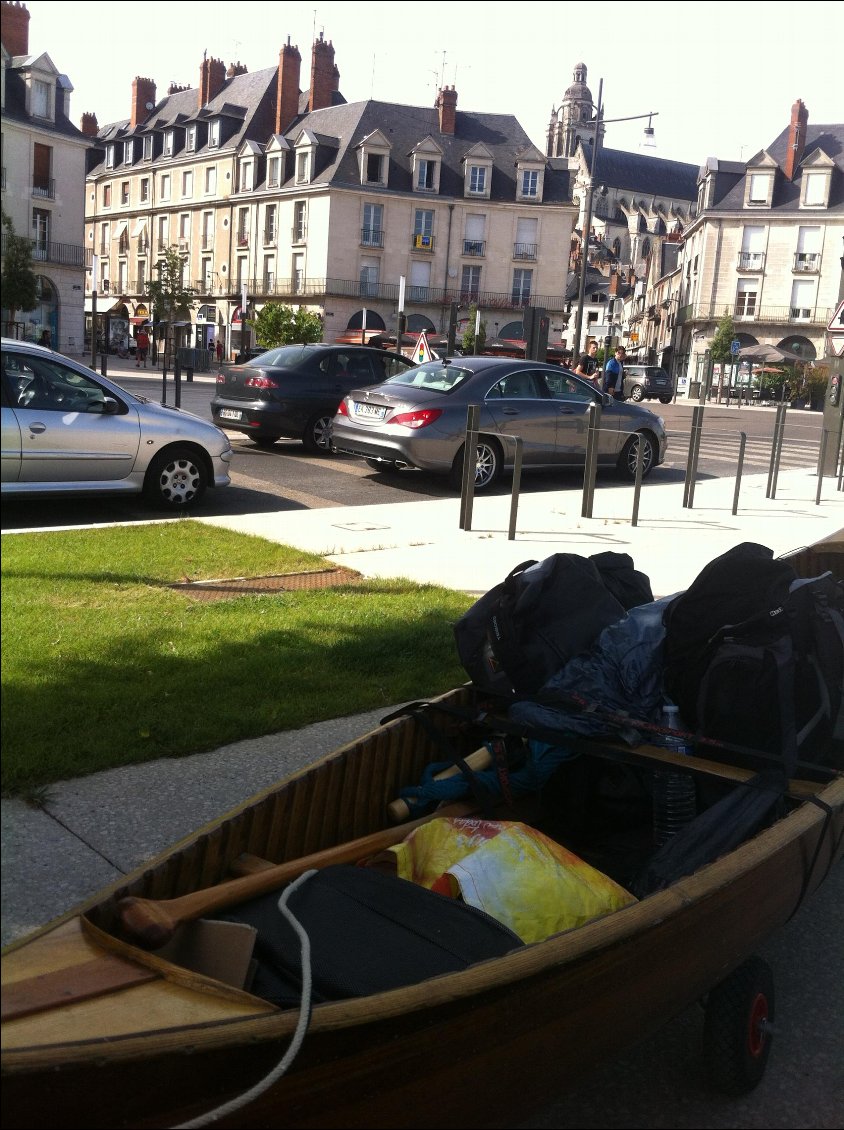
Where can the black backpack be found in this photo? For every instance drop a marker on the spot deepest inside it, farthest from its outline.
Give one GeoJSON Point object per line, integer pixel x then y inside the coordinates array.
{"type": "Point", "coordinates": [770, 676]}
{"type": "Point", "coordinates": [516, 636]}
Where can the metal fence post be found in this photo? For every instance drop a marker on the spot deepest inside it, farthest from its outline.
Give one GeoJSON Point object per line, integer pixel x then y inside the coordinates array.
{"type": "Point", "coordinates": [590, 464]}
{"type": "Point", "coordinates": [470, 460]}
{"type": "Point", "coordinates": [637, 486]}
{"type": "Point", "coordinates": [517, 482]}
{"type": "Point", "coordinates": [776, 451]}
{"type": "Point", "coordinates": [742, 443]}
{"type": "Point", "coordinates": [694, 452]}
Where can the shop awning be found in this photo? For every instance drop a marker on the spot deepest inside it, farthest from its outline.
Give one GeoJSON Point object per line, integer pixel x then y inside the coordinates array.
{"type": "Point", "coordinates": [105, 304]}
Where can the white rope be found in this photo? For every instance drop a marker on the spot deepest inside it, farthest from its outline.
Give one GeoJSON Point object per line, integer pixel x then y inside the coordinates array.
{"type": "Point", "coordinates": [298, 1036]}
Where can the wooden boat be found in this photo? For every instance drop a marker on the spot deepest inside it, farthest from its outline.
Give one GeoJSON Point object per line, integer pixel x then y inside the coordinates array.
{"type": "Point", "coordinates": [101, 1032]}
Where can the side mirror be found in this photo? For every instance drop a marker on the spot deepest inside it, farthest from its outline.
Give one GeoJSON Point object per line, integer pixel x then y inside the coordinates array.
{"type": "Point", "coordinates": [110, 407]}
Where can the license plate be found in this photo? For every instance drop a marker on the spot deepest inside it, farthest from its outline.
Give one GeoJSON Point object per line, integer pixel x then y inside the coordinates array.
{"type": "Point", "coordinates": [230, 414]}
{"type": "Point", "coordinates": [371, 411]}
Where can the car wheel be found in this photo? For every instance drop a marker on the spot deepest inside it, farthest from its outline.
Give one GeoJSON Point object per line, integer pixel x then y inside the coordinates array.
{"type": "Point", "coordinates": [383, 466]}
{"type": "Point", "coordinates": [265, 441]}
{"type": "Point", "coordinates": [487, 465]}
{"type": "Point", "coordinates": [665, 399]}
{"type": "Point", "coordinates": [317, 435]}
{"type": "Point", "coordinates": [630, 452]}
{"type": "Point", "coordinates": [176, 479]}
{"type": "Point", "coordinates": [637, 394]}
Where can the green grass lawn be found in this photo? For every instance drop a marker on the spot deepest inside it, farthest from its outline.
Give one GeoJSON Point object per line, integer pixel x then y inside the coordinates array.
{"type": "Point", "coordinates": [104, 665]}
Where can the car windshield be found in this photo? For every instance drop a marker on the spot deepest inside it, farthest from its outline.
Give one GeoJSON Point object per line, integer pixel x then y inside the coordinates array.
{"type": "Point", "coordinates": [436, 375]}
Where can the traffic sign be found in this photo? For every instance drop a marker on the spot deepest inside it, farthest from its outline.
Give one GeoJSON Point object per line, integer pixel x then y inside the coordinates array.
{"type": "Point", "coordinates": [735, 346]}
{"type": "Point", "coordinates": [422, 353]}
{"type": "Point", "coordinates": [836, 322]}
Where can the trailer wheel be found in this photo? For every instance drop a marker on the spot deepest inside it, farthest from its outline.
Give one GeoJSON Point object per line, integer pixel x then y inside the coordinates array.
{"type": "Point", "coordinates": [737, 1028]}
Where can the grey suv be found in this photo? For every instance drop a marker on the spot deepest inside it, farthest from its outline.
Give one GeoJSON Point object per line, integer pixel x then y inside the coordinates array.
{"type": "Point", "coordinates": [644, 382]}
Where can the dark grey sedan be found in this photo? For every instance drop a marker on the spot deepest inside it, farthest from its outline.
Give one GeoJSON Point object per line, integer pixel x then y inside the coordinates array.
{"type": "Point", "coordinates": [418, 419]}
{"type": "Point", "coordinates": [293, 391]}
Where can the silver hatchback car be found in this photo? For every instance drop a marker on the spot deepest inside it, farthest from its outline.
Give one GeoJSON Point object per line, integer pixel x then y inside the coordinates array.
{"type": "Point", "coordinates": [66, 430]}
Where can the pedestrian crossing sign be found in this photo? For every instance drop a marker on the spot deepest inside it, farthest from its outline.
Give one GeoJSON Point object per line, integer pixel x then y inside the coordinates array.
{"type": "Point", "coordinates": [422, 353]}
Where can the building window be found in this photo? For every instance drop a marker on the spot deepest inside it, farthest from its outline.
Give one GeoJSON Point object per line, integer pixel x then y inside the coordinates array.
{"type": "Point", "coordinates": [165, 186]}
{"type": "Point", "coordinates": [41, 99]}
{"type": "Point", "coordinates": [207, 230]}
{"type": "Point", "coordinates": [106, 196]}
{"type": "Point", "coordinates": [42, 169]}
{"type": "Point", "coordinates": [207, 275]}
{"type": "Point", "coordinates": [372, 233]}
{"type": "Point", "coordinates": [211, 180]}
{"type": "Point", "coordinates": [375, 168]}
{"type": "Point", "coordinates": [802, 299]}
{"type": "Point", "coordinates": [297, 276]}
{"type": "Point", "coordinates": [420, 279]}
{"type": "Point", "coordinates": [104, 240]}
{"type": "Point", "coordinates": [187, 184]}
{"type": "Point", "coordinates": [369, 277]}
{"type": "Point", "coordinates": [190, 139]}
{"type": "Point", "coordinates": [214, 134]}
{"type": "Point", "coordinates": [144, 190]}
{"type": "Point", "coordinates": [109, 161]}
{"type": "Point", "coordinates": [477, 178]}
{"type": "Point", "coordinates": [162, 233]}
{"type": "Point", "coordinates": [40, 233]}
{"type": "Point", "coordinates": [470, 283]}
{"type": "Point", "coordinates": [526, 245]}
{"type": "Point", "coordinates": [302, 161]}
{"type": "Point", "coordinates": [270, 224]}
{"type": "Point", "coordinates": [242, 227]}
{"type": "Point", "coordinates": [269, 274]}
{"type": "Point", "coordinates": [273, 172]}
{"type": "Point", "coordinates": [299, 221]}
{"type": "Point", "coordinates": [423, 222]}
{"type": "Point", "coordinates": [242, 272]}
{"type": "Point", "coordinates": [244, 176]}
{"type": "Point", "coordinates": [425, 173]}
{"type": "Point", "coordinates": [807, 257]}
{"type": "Point", "coordinates": [184, 226]}
{"type": "Point", "coordinates": [473, 236]}
{"type": "Point", "coordinates": [148, 147]}
{"type": "Point", "coordinates": [142, 275]}
{"type": "Point", "coordinates": [746, 295]}
{"type": "Point", "coordinates": [128, 152]}
{"type": "Point", "coordinates": [167, 145]}
{"type": "Point", "coordinates": [759, 189]}
{"type": "Point", "coordinates": [530, 182]}
{"type": "Point", "coordinates": [752, 255]}
{"type": "Point", "coordinates": [124, 192]}
{"type": "Point", "coordinates": [815, 189]}
{"type": "Point", "coordinates": [522, 282]}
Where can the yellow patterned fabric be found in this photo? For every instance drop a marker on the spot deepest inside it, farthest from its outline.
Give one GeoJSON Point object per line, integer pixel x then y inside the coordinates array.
{"type": "Point", "coordinates": [513, 872]}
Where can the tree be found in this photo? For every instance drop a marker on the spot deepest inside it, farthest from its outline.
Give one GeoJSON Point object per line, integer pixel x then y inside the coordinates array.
{"type": "Point", "coordinates": [468, 342]}
{"type": "Point", "coordinates": [724, 336]}
{"type": "Point", "coordinates": [168, 293]}
{"type": "Point", "coordinates": [20, 288]}
{"type": "Point", "coordinates": [277, 324]}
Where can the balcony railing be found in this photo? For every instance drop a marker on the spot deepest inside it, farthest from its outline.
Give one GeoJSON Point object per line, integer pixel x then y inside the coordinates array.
{"type": "Point", "coordinates": [524, 250]}
{"type": "Point", "coordinates": [474, 247]}
{"type": "Point", "coordinates": [751, 261]}
{"type": "Point", "coordinates": [807, 261]}
{"type": "Point", "coordinates": [48, 251]}
{"type": "Point", "coordinates": [372, 237]}
{"type": "Point", "coordinates": [761, 315]}
{"type": "Point", "coordinates": [44, 189]}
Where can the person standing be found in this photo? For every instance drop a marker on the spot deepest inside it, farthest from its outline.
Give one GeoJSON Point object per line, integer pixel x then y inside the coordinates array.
{"type": "Point", "coordinates": [219, 352]}
{"type": "Point", "coordinates": [614, 374]}
{"type": "Point", "coordinates": [587, 366]}
{"type": "Point", "coordinates": [141, 348]}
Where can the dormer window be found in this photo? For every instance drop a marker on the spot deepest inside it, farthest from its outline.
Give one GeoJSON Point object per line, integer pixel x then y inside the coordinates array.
{"type": "Point", "coordinates": [815, 190]}
{"type": "Point", "coordinates": [759, 189]}
{"type": "Point", "coordinates": [128, 152]}
{"type": "Point", "coordinates": [477, 179]}
{"type": "Point", "coordinates": [530, 182]}
{"type": "Point", "coordinates": [530, 175]}
{"type": "Point", "coordinates": [375, 168]}
{"type": "Point", "coordinates": [167, 147]}
{"type": "Point", "coordinates": [148, 147]}
{"type": "Point", "coordinates": [273, 172]}
{"type": "Point", "coordinates": [426, 172]}
{"type": "Point", "coordinates": [244, 176]}
{"type": "Point", "coordinates": [303, 167]}
{"type": "Point", "coordinates": [41, 100]}
{"type": "Point", "coordinates": [190, 139]}
{"type": "Point", "coordinates": [109, 157]}
{"type": "Point", "coordinates": [214, 134]}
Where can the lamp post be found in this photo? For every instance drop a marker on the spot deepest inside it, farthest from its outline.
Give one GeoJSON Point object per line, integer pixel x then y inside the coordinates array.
{"type": "Point", "coordinates": [590, 192]}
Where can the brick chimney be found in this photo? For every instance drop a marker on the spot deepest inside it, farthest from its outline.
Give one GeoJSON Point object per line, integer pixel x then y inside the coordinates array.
{"type": "Point", "coordinates": [287, 92]}
{"type": "Point", "coordinates": [796, 138]}
{"type": "Point", "coordinates": [322, 75]}
{"type": "Point", "coordinates": [15, 33]}
{"type": "Point", "coordinates": [143, 94]}
{"type": "Point", "coordinates": [175, 88]}
{"type": "Point", "coordinates": [212, 76]}
{"type": "Point", "coordinates": [447, 105]}
{"type": "Point", "coordinates": [236, 69]}
{"type": "Point", "coordinates": [89, 125]}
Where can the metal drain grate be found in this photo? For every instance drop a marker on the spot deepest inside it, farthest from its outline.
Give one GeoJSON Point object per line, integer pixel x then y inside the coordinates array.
{"type": "Point", "coordinates": [283, 582]}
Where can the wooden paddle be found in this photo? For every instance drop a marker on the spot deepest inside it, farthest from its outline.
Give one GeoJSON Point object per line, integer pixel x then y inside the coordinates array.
{"type": "Point", "coordinates": [151, 923]}
{"type": "Point", "coordinates": [399, 810]}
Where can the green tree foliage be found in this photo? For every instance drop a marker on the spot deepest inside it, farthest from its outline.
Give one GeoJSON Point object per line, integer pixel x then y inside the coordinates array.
{"type": "Point", "coordinates": [724, 336]}
{"type": "Point", "coordinates": [468, 343]}
{"type": "Point", "coordinates": [168, 293]}
{"type": "Point", "coordinates": [282, 325]}
{"type": "Point", "coordinates": [20, 291]}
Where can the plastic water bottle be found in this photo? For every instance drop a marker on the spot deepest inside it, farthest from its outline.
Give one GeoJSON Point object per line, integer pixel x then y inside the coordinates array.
{"type": "Point", "coordinates": [674, 795]}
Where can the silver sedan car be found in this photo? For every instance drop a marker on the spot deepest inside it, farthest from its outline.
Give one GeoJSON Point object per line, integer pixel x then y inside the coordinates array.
{"type": "Point", "coordinates": [66, 430]}
{"type": "Point", "coordinates": [418, 419]}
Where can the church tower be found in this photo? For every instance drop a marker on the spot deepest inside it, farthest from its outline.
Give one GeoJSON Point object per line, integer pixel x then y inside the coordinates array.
{"type": "Point", "coordinates": [575, 120]}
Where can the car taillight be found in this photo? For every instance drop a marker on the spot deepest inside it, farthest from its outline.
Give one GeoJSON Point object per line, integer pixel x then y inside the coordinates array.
{"type": "Point", "coordinates": [418, 419]}
{"type": "Point", "coordinates": [260, 382]}
{"type": "Point", "coordinates": [221, 378]}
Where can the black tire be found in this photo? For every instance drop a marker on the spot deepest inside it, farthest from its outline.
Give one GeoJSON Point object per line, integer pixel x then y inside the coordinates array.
{"type": "Point", "coordinates": [177, 479]}
{"type": "Point", "coordinates": [637, 394]}
{"type": "Point", "coordinates": [384, 468]}
{"type": "Point", "coordinates": [736, 1034]}
{"type": "Point", "coordinates": [665, 399]}
{"type": "Point", "coordinates": [317, 435]}
{"type": "Point", "coordinates": [627, 460]}
{"type": "Point", "coordinates": [487, 466]}
{"type": "Point", "coordinates": [265, 441]}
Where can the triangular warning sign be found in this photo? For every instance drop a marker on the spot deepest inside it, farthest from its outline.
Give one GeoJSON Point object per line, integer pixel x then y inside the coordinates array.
{"type": "Point", "coordinates": [422, 352]}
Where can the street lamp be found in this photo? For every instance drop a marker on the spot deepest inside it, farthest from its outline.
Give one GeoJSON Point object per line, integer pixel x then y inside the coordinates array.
{"type": "Point", "coordinates": [590, 192]}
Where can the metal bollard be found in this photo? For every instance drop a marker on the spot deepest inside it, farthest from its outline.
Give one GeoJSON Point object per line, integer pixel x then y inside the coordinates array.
{"type": "Point", "coordinates": [742, 445]}
{"type": "Point", "coordinates": [467, 491]}
{"type": "Point", "coordinates": [104, 363]}
{"type": "Point", "coordinates": [517, 482]}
